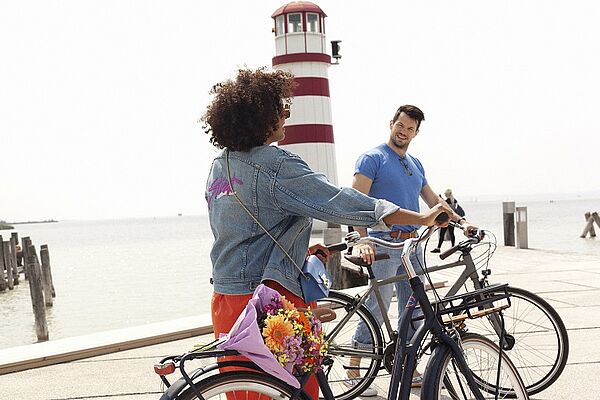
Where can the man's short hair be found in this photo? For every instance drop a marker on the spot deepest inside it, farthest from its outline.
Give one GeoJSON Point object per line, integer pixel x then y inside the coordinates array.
{"type": "Point", "coordinates": [412, 111]}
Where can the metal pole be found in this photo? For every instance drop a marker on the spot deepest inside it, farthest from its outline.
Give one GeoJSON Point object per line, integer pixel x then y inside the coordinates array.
{"type": "Point", "coordinates": [522, 228]}
{"type": "Point", "coordinates": [508, 214]}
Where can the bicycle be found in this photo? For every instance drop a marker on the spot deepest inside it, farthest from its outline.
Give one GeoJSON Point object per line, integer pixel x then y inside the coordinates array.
{"type": "Point", "coordinates": [460, 366]}
{"type": "Point", "coordinates": [534, 335]}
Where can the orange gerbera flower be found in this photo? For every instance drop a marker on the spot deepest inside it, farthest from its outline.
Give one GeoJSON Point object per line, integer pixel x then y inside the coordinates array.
{"type": "Point", "coordinates": [276, 329]}
{"type": "Point", "coordinates": [305, 323]}
{"type": "Point", "coordinates": [287, 305]}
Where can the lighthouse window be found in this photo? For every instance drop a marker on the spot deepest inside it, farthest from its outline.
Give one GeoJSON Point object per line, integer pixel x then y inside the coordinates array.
{"type": "Point", "coordinates": [279, 25]}
{"type": "Point", "coordinates": [312, 22]}
{"type": "Point", "coordinates": [294, 23]}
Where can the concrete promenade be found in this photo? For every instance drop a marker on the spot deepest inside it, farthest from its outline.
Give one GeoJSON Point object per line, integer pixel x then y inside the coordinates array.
{"type": "Point", "coordinates": [570, 282]}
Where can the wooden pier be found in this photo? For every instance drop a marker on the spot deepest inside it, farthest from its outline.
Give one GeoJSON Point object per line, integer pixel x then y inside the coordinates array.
{"type": "Point", "coordinates": [38, 274]}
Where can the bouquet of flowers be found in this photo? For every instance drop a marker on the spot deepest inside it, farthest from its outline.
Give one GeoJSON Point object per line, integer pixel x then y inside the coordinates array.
{"type": "Point", "coordinates": [277, 336]}
{"type": "Point", "coordinates": [293, 336]}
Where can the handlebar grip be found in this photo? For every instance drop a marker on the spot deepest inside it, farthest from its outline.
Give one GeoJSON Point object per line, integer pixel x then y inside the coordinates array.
{"type": "Point", "coordinates": [333, 248]}
{"type": "Point", "coordinates": [449, 252]}
{"type": "Point", "coordinates": [337, 247]}
{"type": "Point", "coordinates": [442, 217]}
{"type": "Point", "coordinates": [357, 260]}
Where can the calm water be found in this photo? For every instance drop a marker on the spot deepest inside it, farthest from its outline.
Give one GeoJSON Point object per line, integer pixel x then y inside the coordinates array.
{"type": "Point", "coordinates": [120, 273]}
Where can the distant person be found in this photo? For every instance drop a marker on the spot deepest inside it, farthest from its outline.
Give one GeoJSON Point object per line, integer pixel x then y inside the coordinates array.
{"type": "Point", "coordinates": [453, 203]}
{"type": "Point", "coordinates": [389, 172]}
{"type": "Point", "coordinates": [19, 256]}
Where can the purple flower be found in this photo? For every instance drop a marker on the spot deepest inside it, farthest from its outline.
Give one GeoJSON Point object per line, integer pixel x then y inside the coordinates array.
{"type": "Point", "coordinates": [274, 305]}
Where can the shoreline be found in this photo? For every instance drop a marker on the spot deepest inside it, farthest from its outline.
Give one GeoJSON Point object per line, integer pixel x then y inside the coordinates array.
{"type": "Point", "coordinates": [48, 221]}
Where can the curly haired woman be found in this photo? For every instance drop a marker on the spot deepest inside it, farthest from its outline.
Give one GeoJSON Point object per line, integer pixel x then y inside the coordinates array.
{"type": "Point", "coordinates": [246, 116]}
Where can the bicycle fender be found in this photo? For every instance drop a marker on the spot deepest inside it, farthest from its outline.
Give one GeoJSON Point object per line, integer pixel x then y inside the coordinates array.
{"type": "Point", "coordinates": [181, 384]}
{"type": "Point", "coordinates": [174, 390]}
{"type": "Point", "coordinates": [429, 375]}
{"type": "Point", "coordinates": [434, 364]}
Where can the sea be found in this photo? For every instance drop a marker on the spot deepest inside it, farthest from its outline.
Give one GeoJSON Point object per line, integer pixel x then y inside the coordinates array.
{"type": "Point", "coordinates": [120, 273]}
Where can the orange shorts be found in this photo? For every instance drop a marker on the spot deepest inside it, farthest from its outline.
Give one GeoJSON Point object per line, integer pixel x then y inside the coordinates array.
{"type": "Point", "coordinates": [226, 308]}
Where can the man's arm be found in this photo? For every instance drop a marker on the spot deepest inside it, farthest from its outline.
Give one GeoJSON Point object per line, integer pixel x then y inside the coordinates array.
{"type": "Point", "coordinates": [363, 185]}
{"type": "Point", "coordinates": [431, 199]}
{"type": "Point", "coordinates": [429, 196]}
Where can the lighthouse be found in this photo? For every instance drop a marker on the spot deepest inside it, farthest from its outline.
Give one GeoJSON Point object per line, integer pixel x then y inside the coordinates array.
{"type": "Point", "coordinates": [300, 48]}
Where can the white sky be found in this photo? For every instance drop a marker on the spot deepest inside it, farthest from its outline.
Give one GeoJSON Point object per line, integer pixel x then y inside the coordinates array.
{"type": "Point", "coordinates": [99, 99]}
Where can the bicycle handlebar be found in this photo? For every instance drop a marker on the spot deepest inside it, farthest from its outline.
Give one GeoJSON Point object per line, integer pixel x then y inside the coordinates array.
{"type": "Point", "coordinates": [337, 247]}
{"type": "Point", "coordinates": [474, 238]}
{"type": "Point", "coordinates": [357, 260]}
{"type": "Point", "coordinates": [353, 238]}
{"type": "Point", "coordinates": [333, 248]}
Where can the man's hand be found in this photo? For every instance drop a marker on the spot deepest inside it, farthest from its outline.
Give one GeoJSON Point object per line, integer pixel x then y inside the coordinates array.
{"type": "Point", "coordinates": [366, 251]}
{"type": "Point", "coordinates": [430, 215]}
{"type": "Point", "coordinates": [469, 229]}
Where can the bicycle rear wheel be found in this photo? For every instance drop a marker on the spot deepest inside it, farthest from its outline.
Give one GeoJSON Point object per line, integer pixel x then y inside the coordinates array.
{"type": "Point", "coordinates": [541, 342]}
{"type": "Point", "coordinates": [444, 380]}
{"type": "Point", "coordinates": [240, 385]}
{"type": "Point", "coordinates": [341, 363]}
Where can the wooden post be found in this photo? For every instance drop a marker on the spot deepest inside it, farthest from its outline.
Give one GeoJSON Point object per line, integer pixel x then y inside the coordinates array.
{"type": "Point", "coordinates": [334, 264]}
{"type": "Point", "coordinates": [342, 278]}
{"type": "Point", "coordinates": [8, 264]}
{"type": "Point", "coordinates": [508, 212]}
{"type": "Point", "coordinates": [25, 243]}
{"type": "Point", "coordinates": [13, 259]}
{"type": "Point", "coordinates": [3, 284]}
{"type": "Point", "coordinates": [37, 295]}
{"type": "Point", "coordinates": [49, 291]}
{"type": "Point", "coordinates": [589, 226]}
{"type": "Point", "coordinates": [592, 231]}
{"type": "Point", "coordinates": [596, 218]}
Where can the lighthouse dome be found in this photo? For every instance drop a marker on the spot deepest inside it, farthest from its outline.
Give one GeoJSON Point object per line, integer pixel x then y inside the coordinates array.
{"type": "Point", "coordinates": [298, 6]}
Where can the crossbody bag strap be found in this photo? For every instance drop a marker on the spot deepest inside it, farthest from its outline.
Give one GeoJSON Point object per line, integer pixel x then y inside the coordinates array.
{"type": "Point", "coordinates": [256, 219]}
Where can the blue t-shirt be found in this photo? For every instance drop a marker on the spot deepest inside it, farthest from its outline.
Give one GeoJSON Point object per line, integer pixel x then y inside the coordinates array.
{"type": "Point", "coordinates": [396, 179]}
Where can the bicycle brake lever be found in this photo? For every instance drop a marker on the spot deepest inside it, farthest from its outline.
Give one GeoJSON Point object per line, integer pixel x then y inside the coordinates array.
{"type": "Point", "coordinates": [352, 238]}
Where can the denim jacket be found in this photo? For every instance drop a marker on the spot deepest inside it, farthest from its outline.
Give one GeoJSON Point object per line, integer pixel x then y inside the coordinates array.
{"type": "Point", "coordinates": [284, 194]}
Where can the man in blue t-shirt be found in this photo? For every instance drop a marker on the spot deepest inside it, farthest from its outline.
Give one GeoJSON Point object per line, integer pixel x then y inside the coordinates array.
{"type": "Point", "coordinates": [389, 172]}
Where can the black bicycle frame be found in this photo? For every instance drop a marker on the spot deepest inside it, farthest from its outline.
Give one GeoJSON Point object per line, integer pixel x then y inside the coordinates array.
{"type": "Point", "coordinates": [405, 358]}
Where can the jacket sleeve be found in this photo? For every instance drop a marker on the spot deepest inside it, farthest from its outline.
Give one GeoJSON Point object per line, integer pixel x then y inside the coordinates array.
{"type": "Point", "coordinates": [300, 191]}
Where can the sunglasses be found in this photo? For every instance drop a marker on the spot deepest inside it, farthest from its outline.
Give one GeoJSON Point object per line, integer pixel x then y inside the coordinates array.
{"type": "Point", "coordinates": [407, 169]}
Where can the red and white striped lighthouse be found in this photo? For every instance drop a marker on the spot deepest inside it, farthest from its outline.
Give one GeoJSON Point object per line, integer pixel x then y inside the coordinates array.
{"type": "Point", "coordinates": [300, 48]}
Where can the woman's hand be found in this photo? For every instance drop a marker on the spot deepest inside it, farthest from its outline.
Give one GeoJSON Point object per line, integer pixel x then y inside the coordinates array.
{"type": "Point", "coordinates": [321, 251]}
{"type": "Point", "coordinates": [366, 251]}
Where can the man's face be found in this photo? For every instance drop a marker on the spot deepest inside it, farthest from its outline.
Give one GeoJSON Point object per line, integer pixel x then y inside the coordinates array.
{"type": "Point", "coordinates": [403, 130]}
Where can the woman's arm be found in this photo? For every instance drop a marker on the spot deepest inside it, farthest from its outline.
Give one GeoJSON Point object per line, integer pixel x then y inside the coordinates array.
{"type": "Point", "coordinates": [300, 191]}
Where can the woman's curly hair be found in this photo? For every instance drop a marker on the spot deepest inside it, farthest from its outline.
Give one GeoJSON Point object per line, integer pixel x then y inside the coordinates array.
{"type": "Point", "coordinates": [245, 111]}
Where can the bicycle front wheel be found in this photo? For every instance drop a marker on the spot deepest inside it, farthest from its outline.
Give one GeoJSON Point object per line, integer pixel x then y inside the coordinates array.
{"type": "Point", "coordinates": [347, 373]}
{"type": "Point", "coordinates": [444, 380]}
{"type": "Point", "coordinates": [540, 344]}
{"type": "Point", "coordinates": [240, 385]}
